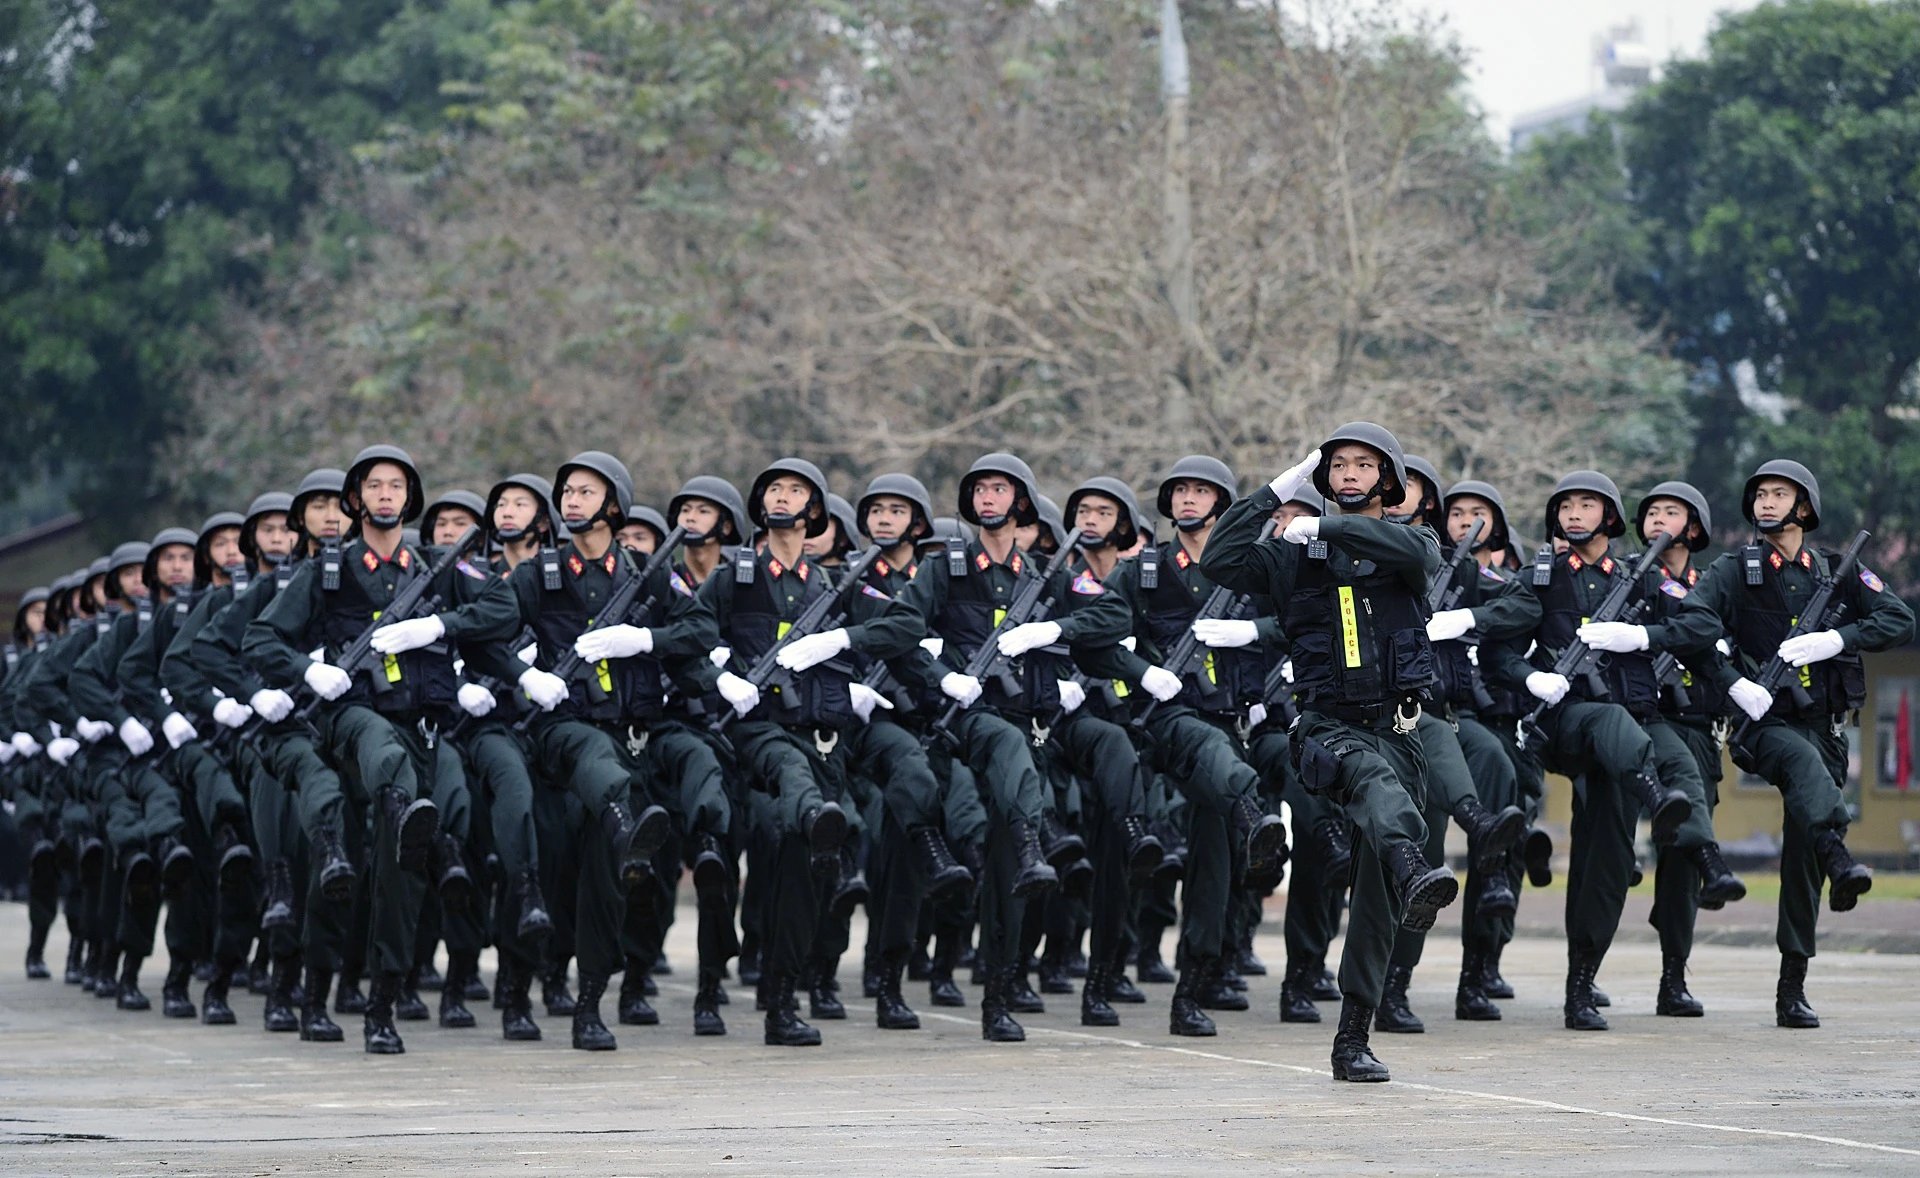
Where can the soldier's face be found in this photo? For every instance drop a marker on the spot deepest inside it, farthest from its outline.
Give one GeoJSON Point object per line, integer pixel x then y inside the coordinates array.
{"type": "Point", "coordinates": [1462, 513]}
{"type": "Point", "coordinates": [449, 524]}
{"type": "Point", "coordinates": [581, 498]}
{"type": "Point", "coordinates": [1580, 513]}
{"type": "Point", "coordinates": [1353, 470]}
{"type": "Point", "coordinates": [638, 538]}
{"type": "Point", "coordinates": [271, 535]}
{"type": "Point", "coordinates": [993, 496]}
{"type": "Point", "coordinates": [1193, 498]}
{"type": "Point", "coordinates": [37, 618]}
{"type": "Point", "coordinates": [1667, 517]}
{"type": "Point", "coordinates": [383, 490]}
{"type": "Point", "coordinates": [701, 517]}
{"type": "Point", "coordinates": [515, 510]}
{"type": "Point", "coordinates": [224, 548]}
{"type": "Point", "coordinates": [787, 495]}
{"type": "Point", "coordinates": [131, 586]}
{"type": "Point", "coordinates": [824, 543]}
{"type": "Point", "coordinates": [1286, 513]}
{"type": "Point", "coordinates": [1095, 516]}
{"type": "Point", "coordinates": [1027, 536]}
{"type": "Point", "coordinates": [1416, 495]}
{"type": "Point", "coordinates": [889, 518]}
{"type": "Point", "coordinates": [1773, 500]}
{"type": "Point", "coordinates": [324, 517]}
{"type": "Point", "coordinates": [173, 566]}
{"type": "Point", "coordinates": [95, 598]}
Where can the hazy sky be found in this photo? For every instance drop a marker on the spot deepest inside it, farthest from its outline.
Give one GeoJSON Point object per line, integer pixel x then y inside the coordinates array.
{"type": "Point", "coordinates": [1533, 53]}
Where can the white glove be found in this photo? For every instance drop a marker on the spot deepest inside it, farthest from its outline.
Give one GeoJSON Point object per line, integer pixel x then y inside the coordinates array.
{"type": "Point", "coordinates": [135, 736]}
{"type": "Point", "coordinates": [92, 731]}
{"type": "Point", "coordinates": [1072, 695]}
{"type": "Point", "coordinates": [1029, 636]}
{"type": "Point", "coordinates": [1286, 670]}
{"type": "Point", "coordinates": [544, 688]}
{"type": "Point", "coordinates": [1225, 634]}
{"type": "Point", "coordinates": [62, 749]}
{"type": "Point", "coordinates": [720, 655]}
{"type": "Point", "coordinates": [474, 699]}
{"type": "Point", "coordinates": [273, 704]}
{"type": "Point", "coordinates": [1449, 624]}
{"type": "Point", "coordinates": [613, 642]}
{"type": "Point", "coordinates": [7, 752]}
{"type": "Point", "coordinates": [1614, 637]}
{"type": "Point", "coordinates": [1724, 647]}
{"type": "Point", "coordinates": [933, 645]}
{"type": "Point", "coordinates": [1751, 698]}
{"type": "Point", "coordinates": [231, 713]}
{"type": "Point", "coordinates": [810, 650]}
{"type": "Point", "coordinates": [743, 695]}
{"type": "Point", "coordinates": [529, 654]}
{"type": "Point", "coordinates": [865, 699]}
{"type": "Point", "coordinates": [1301, 530]}
{"type": "Point", "coordinates": [1256, 715]}
{"type": "Point", "coordinates": [1160, 683]}
{"type": "Point", "coordinates": [327, 680]}
{"type": "Point", "coordinates": [1291, 479]}
{"type": "Point", "coordinates": [177, 729]}
{"type": "Point", "coordinates": [24, 744]}
{"type": "Point", "coordinates": [411, 634]}
{"type": "Point", "coordinates": [1548, 687]}
{"type": "Point", "coordinates": [1817, 647]}
{"type": "Point", "coordinates": [962, 689]}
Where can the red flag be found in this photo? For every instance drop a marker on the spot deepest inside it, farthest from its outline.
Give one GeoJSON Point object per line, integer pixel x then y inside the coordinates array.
{"type": "Point", "coordinates": [1902, 744]}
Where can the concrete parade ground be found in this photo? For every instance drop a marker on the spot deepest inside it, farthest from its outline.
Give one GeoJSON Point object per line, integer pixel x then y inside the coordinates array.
{"type": "Point", "coordinates": [87, 1089]}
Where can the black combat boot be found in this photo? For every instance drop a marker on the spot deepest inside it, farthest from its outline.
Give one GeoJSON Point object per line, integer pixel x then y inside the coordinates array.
{"type": "Point", "coordinates": [347, 997]}
{"type": "Point", "coordinates": [139, 876]}
{"type": "Point", "coordinates": [945, 874]}
{"type": "Point", "coordinates": [106, 972]}
{"type": "Point", "coordinates": [1424, 890]}
{"type": "Point", "coordinates": [1185, 1017]}
{"type": "Point", "coordinates": [315, 1026]}
{"type": "Point", "coordinates": [1063, 846]}
{"type": "Point", "coordinates": [706, 1004]}
{"type": "Point", "coordinates": [554, 994]}
{"type": "Point", "coordinates": [1790, 1006]}
{"type": "Point", "coordinates": [850, 888]}
{"type": "Point", "coordinates": [378, 1031]}
{"type": "Point", "coordinates": [1261, 835]}
{"type": "Point", "coordinates": [277, 1014]}
{"type": "Point", "coordinates": [176, 868]}
{"type": "Point", "coordinates": [1489, 834]}
{"type": "Point", "coordinates": [589, 1032]}
{"type": "Point", "coordinates": [997, 1024]}
{"type": "Point", "coordinates": [457, 889]}
{"type": "Point", "coordinates": [336, 871]}
{"type": "Point", "coordinates": [76, 957]}
{"type": "Point", "coordinates": [1173, 864]}
{"type": "Point", "coordinates": [175, 1000]}
{"type": "Point", "coordinates": [825, 828]}
{"type": "Point", "coordinates": [1095, 1010]}
{"type": "Point", "coordinates": [415, 823]}
{"type": "Point", "coordinates": [534, 922]}
{"type": "Point", "coordinates": [1122, 990]}
{"type": "Point", "coordinates": [408, 1006]}
{"type": "Point", "coordinates": [130, 997]}
{"type": "Point", "coordinates": [453, 993]}
{"type": "Point", "coordinates": [941, 988]}
{"type": "Point", "coordinates": [1668, 808]}
{"type": "Point", "coordinates": [277, 911]}
{"type": "Point", "coordinates": [1394, 1015]}
{"type": "Point", "coordinates": [1496, 894]}
{"type": "Point", "coordinates": [1470, 1000]}
{"type": "Point", "coordinates": [1847, 881]}
{"type": "Point", "coordinates": [784, 1027]}
{"type": "Point", "coordinates": [632, 841]}
{"type": "Point", "coordinates": [1580, 1011]}
{"type": "Point", "coordinates": [1148, 965]}
{"type": "Point", "coordinates": [1536, 851]}
{"type": "Point", "coordinates": [1336, 850]}
{"type": "Point", "coordinates": [1296, 994]}
{"type": "Point", "coordinates": [1144, 853]}
{"type": "Point", "coordinates": [516, 1014]}
{"type": "Point", "coordinates": [1673, 999]}
{"type": "Point", "coordinates": [235, 859]}
{"type": "Point", "coordinates": [1353, 1060]}
{"type": "Point", "coordinates": [710, 872]}
{"type": "Point", "coordinates": [1215, 990]}
{"type": "Point", "coordinates": [1019, 993]}
{"type": "Point", "coordinates": [214, 1011]}
{"type": "Point", "coordinates": [890, 1010]}
{"type": "Point", "coordinates": [634, 1009]}
{"type": "Point", "coordinates": [1491, 982]}
{"type": "Point", "coordinates": [1036, 875]}
{"type": "Point", "coordinates": [1719, 886]}
{"type": "Point", "coordinates": [1053, 971]}
{"type": "Point", "coordinates": [823, 992]}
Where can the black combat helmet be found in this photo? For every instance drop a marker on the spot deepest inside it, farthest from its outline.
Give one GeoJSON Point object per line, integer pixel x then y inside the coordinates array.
{"type": "Point", "coordinates": [900, 486]}
{"type": "Point", "coordinates": [1497, 535]}
{"type": "Point", "coordinates": [465, 500]}
{"type": "Point", "coordinates": [164, 538]}
{"type": "Point", "coordinates": [203, 569]}
{"type": "Point", "coordinates": [535, 485]}
{"type": "Point", "coordinates": [841, 512]}
{"type": "Point", "coordinates": [325, 480]}
{"type": "Point", "coordinates": [1198, 468]}
{"type": "Point", "coordinates": [722, 494]}
{"type": "Point", "coordinates": [1126, 527]}
{"type": "Point", "coordinates": [1799, 476]}
{"type": "Point", "coordinates": [610, 470]}
{"type": "Point", "coordinates": [263, 505]}
{"type": "Point", "coordinates": [1696, 503]}
{"type": "Point", "coordinates": [1053, 527]}
{"type": "Point", "coordinates": [365, 461]}
{"type": "Point", "coordinates": [1427, 511]}
{"type": "Point", "coordinates": [1392, 487]}
{"type": "Point", "coordinates": [1591, 482]}
{"type": "Point", "coordinates": [814, 512]}
{"type": "Point", "coordinates": [651, 520]}
{"type": "Point", "coordinates": [1026, 508]}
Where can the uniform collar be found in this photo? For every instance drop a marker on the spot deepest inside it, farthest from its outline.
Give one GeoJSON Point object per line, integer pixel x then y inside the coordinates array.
{"type": "Point", "coordinates": [371, 560]}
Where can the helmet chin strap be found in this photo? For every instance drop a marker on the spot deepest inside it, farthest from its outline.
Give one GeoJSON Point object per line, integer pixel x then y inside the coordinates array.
{"type": "Point", "coordinates": [993, 523]}
{"type": "Point", "coordinates": [1193, 524]}
{"type": "Point", "coordinates": [1094, 541]}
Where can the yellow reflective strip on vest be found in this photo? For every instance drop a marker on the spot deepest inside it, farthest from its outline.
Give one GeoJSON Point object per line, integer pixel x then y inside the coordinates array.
{"type": "Point", "coordinates": [1120, 689]}
{"type": "Point", "coordinates": [1349, 627]}
{"type": "Point", "coordinates": [605, 675]}
{"type": "Point", "coordinates": [999, 615]}
{"type": "Point", "coordinates": [389, 663]}
{"type": "Point", "coordinates": [1208, 667]}
{"type": "Point", "coordinates": [1806, 672]}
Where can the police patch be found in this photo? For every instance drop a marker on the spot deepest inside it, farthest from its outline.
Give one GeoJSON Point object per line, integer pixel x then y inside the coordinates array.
{"type": "Point", "coordinates": [1086, 585]}
{"type": "Point", "coordinates": [1673, 588]}
{"type": "Point", "coordinates": [1870, 581]}
{"type": "Point", "coordinates": [1487, 571]}
{"type": "Point", "coordinates": [679, 585]}
{"type": "Point", "coordinates": [468, 569]}
{"type": "Point", "coordinates": [870, 591]}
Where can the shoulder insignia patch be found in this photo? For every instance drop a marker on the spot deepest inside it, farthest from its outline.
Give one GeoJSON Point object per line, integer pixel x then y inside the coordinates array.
{"type": "Point", "coordinates": [468, 569]}
{"type": "Point", "coordinates": [1673, 588]}
{"type": "Point", "coordinates": [1087, 585]}
{"type": "Point", "coordinates": [679, 585]}
{"type": "Point", "coordinates": [981, 561]}
{"type": "Point", "coordinates": [368, 559]}
{"type": "Point", "coordinates": [575, 565]}
{"type": "Point", "coordinates": [1870, 581]}
{"type": "Point", "coordinates": [870, 591]}
{"type": "Point", "coordinates": [1492, 574]}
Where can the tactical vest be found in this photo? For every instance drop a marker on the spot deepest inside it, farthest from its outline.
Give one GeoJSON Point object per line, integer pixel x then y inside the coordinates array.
{"type": "Point", "coordinates": [1838, 684]}
{"type": "Point", "coordinates": [817, 697]}
{"type": "Point", "coordinates": [1358, 637]}
{"type": "Point", "coordinates": [1628, 677]}
{"type": "Point", "coordinates": [1455, 659]}
{"type": "Point", "coordinates": [612, 690]}
{"type": "Point", "coordinates": [1703, 699]}
{"type": "Point", "coordinates": [1229, 679]}
{"type": "Point", "coordinates": [416, 680]}
{"type": "Point", "coordinates": [966, 622]}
